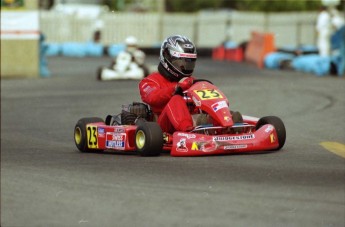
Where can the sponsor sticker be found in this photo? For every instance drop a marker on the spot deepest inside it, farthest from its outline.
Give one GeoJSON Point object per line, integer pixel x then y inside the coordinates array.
{"type": "Point", "coordinates": [233, 147]}
{"type": "Point", "coordinates": [188, 136]}
{"type": "Point", "coordinates": [147, 89]}
{"type": "Point", "coordinates": [119, 130]}
{"type": "Point", "coordinates": [204, 146]}
{"type": "Point", "coordinates": [230, 138]}
{"type": "Point", "coordinates": [115, 144]}
{"type": "Point", "coordinates": [269, 129]}
{"type": "Point", "coordinates": [219, 105]}
{"type": "Point", "coordinates": [188, 45]}
{"type": "Point", "coordinates": [182, 55]}
{"type": "Point", "coordinates": [226, 118]}
{"type": "Point", "coordinates": [101, 132]}
{"type": "Point", "coordinates": [272, 138]}
{"type": "Point", "coordinates": [115, 140]}
{"type": "Point", "coordinates": [181, 145]}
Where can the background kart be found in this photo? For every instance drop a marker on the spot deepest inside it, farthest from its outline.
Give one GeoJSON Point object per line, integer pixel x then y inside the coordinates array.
{"type": "Point", "coordinates": [217, 129]}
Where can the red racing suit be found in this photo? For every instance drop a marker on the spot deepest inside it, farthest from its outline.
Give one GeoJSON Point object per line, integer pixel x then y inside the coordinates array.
{"type": "Point", "coordinates": [172, 111]}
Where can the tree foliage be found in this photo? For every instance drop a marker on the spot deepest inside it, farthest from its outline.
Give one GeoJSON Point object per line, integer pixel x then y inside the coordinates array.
{"type": "Point", "coordinates": [191, 5]}
{"type": "Point", "coordinates": [243, 5]}
{"type": "Point", "coordinates": [278, 6]}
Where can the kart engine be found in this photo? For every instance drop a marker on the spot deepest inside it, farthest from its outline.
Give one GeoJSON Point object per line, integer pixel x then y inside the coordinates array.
{"type": "Point", "coordinates": [130, 113]}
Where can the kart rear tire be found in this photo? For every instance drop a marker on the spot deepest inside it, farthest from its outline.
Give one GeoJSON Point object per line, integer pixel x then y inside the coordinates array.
{"type": "Point", "coordinates": [278, 125]}
{"type": "Point", "coordinates": [80, 133]}
{"type": "Point", "coordinates": [99, 73]}
{"type": "Point", "coordinates": [148, 138]}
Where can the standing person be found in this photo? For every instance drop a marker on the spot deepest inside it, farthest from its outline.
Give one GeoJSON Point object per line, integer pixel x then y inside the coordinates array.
{"type": "Point", "coordinates": [338, 41]}
{"type": "Point", "coordinates": [338, 20]}
{"type": "Point", "coordinates": [324, 30]}
{"type": "Point", "coordinates": [177, 61]}
{"type": "Point", "coordinates": [338, 25]}
{"type": "Point", "coordinates": [44, 71]}
{"type": "Point", "coordinates": [129, 64]}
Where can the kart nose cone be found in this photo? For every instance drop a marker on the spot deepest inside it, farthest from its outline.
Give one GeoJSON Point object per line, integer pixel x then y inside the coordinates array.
{"type": "Point", "coordinates": [224, 117]}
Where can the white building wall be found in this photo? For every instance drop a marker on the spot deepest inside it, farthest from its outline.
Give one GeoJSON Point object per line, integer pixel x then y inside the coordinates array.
{"type": "Point", "coordinates": [206, 29]}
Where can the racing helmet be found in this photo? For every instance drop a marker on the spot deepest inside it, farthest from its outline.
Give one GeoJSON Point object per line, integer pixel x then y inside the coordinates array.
{"type": "Point", "coordinates": [131, 43]}
{"type": "Point", "coordinates": [178, 56]}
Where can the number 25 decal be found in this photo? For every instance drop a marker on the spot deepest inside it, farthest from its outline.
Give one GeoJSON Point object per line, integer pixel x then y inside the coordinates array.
{"type": "Point", "coordinates": [92, 137]}
{"type": "Point", "coordinates": [208, 94]}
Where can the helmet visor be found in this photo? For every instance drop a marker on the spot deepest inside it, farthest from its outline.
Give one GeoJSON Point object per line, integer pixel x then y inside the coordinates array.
{"type": "Point", "coordinates": [183, 62]}
{"type": "Point", "coordinates": [184, 65]}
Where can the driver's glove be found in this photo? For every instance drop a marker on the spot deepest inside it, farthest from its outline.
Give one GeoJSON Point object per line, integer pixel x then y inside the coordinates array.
{"type": "Point", "coordinates": [185, 83]}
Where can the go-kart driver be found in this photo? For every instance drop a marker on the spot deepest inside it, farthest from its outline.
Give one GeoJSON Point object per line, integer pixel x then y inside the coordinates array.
{"type": "Point", "coordinates": [129, 64]}
{"type": "Point", "coordinates": [177, 61]}
{"type": "Point", "coordinates": [131, 60]}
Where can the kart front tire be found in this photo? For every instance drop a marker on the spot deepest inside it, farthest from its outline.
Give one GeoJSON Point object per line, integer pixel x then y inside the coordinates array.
{"type": "Point", "coordinates": [80, 133]}
{"type": "Point", "coordinates": [278, 125]}
{"type": "Point", "coordinates": [148, 138]}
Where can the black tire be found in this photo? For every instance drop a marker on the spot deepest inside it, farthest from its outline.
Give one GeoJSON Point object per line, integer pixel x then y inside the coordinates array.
{"type": "Point", "coordinates": [278, 125]}
{"type": "Point", "coordinates": [80, 133]}
{"type": "Point", "coordinates": [113, 120]}
{"type": "Point", "coordinates": [236, 117]}
{"type": "Point", "coordinates": [148, 138]}
{"type": "Point", "coordinates": [99, 73]}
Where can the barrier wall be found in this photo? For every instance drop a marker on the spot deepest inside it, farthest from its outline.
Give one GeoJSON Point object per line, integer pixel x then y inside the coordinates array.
{"type": "Point", "coordinates": [117, 26]}
{"type": "Point", "coordinates": [242, 24]}
{"type": "Point", "coordinates": [206, 29]}
{"type": "Point", "coordinates": [288, 27]}
{"type": "Point", "coordinates": [212, 28]}
{"type": "Point", "coordinates": [183, 24]}
{"type": "Point", "coordinates": [19, 58]}
{"type": "Point", "coordinates": [20, 41]}
{"type": "Point", "coordinates": [258, 47]}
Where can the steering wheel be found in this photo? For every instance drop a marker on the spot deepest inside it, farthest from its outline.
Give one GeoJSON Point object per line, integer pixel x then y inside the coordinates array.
{"type": "Point", "coordinates": [179, 91]}
{"type": "Point", "coordinates": [201, 80]}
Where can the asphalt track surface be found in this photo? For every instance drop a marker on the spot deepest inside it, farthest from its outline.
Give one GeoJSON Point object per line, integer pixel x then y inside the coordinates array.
{"type": "Point", "coordinates": [46, 181]}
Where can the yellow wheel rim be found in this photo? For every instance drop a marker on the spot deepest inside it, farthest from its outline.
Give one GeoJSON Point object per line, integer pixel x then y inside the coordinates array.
{"type": "Point", "coordinates": [77, 135]}
{"type": "Point", "coordinates": [140, 139]}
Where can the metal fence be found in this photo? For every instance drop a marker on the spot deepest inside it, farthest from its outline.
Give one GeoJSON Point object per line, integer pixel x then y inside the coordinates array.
{"type": "Point", "coordinates": [206, 29]}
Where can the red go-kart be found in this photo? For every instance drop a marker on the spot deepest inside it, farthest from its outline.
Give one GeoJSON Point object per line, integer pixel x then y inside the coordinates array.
{"type": "Point", "coordinates": [218, 130]}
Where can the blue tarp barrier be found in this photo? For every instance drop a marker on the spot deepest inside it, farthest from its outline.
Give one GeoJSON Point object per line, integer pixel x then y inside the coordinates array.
{"type": "Point", "coordinates": [115, 49]}
{"type": "Point", "coordinates": [230, 45]}
{"type": "Point", "coordinates": [273, 60]}
{"type": "Point", "coordinates": [312, 63]}
{"type": "Point", "coordinates": [54, 49]}
{"type": "Point", "coordinates": [299, 49]}
{"type": "Point", "coordinates": [308, 48]}
{"type": "Point", "coordinates": [94, 49]}
{"type": "Point", "coordinates": [73, 49]}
